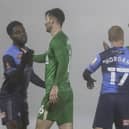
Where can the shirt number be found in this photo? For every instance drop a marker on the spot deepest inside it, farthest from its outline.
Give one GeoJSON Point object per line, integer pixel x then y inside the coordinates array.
{"type": "Point", "coordinates": [114, 70]}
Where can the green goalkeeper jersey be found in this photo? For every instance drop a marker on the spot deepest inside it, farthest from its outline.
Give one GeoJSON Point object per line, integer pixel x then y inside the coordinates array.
{"type": "Point", "coordinates": [56, 61]}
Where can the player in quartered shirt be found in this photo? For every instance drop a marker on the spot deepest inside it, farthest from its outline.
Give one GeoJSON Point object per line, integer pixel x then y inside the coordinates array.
{"type": "Point", "coordinates": [18, 72]}
{"type": "Point", "coordinates": [113, 103]}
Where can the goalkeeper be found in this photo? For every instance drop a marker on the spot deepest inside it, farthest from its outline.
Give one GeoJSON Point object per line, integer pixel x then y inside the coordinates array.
{"type": "Point", "coordinates": [57, 104]}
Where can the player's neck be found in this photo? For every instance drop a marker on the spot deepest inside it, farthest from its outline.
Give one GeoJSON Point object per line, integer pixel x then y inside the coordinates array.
{"type": "Point", "coordinates": [18, 46]}
{"type": "Point", "coordinates": [55, 30]}
{"type": "Point", "coordinates": [118, 43]}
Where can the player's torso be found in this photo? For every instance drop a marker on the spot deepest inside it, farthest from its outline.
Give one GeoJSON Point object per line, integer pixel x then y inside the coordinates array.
{"type": "Point", "coordinates": [16, 54]}
{"type": "Point", "coordinates": [52, 64]}
{"type": "Point", "coordinates": [115, 70]}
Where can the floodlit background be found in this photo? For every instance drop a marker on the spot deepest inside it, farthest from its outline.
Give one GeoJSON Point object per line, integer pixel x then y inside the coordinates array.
{"type": "Point", "coordinates": [87, 23]}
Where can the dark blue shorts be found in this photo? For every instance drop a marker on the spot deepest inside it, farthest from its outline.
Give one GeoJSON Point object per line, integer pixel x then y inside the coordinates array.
{"type": "Point", "coordinates": [112, 108]}
{"type": "Point", "coordinates": [15, 108]}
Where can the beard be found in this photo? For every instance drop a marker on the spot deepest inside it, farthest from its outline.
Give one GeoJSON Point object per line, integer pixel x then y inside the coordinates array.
{"type": "Point", "coordinates": [48, 29]}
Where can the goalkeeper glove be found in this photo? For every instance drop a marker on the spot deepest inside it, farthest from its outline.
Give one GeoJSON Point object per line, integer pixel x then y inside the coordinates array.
{"type": "Point", "coordinates": [89, 79]}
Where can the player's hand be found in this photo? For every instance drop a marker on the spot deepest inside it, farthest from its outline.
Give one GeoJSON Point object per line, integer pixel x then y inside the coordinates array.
{"type": "Point", "coordinates": [27, 51]}
{"type": "Point", "coordinates": [90, 84]}
{"type": "Point", "coordinates": [105, 45]}
{"type": "Point", "coordinates": [24, 50]}
{"type": "Point", "coordinates": [27, 56]}
{"type": "Point", "coordinates": [53, 96]}
{"type": "Point", "coordinates": [2, 114]}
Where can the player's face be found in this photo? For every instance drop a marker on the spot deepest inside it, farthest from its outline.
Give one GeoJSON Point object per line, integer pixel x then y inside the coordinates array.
{"type": "Point", "coordinates": [48, 23]}
{"type": "Point", "coordinates": [19, 35]}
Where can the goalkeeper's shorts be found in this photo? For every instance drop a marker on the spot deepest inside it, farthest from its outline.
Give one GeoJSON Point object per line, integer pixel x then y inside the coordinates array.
{"type": "Point", "coordinates": [61, 112]}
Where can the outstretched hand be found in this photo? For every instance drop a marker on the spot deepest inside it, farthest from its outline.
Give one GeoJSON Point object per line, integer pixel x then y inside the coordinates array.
{"type": "Point", "coordinates": [27, 56]}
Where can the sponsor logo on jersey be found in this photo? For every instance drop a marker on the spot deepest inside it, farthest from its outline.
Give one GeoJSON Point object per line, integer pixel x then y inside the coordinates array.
{"type": "Point", "coordinates": [125, 122]}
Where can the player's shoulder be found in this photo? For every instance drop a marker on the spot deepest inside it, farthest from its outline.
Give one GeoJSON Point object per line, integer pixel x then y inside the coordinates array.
{"type": "Point", "coordinates": [107, 53]}
{"type": "Point", "coordinates": [60, 36]}
{"type": "Point", "coordinates": [114, 51]}
{"type": "Point", "coordinates": [8, 54]}
{"type": "Point", "coordinates": [9, 50]}
{"type": "Point", "coordinates": [126, 48]}
{"type": "Point", "coordinates": [104, 52]}
{"type": "Point", "coordinates": [60, 40]}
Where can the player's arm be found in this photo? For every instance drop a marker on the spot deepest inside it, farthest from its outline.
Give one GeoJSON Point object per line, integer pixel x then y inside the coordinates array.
{"type": "Point", "coordinates": [94, 65]}
{"type": "Point", "coordinates": [39, 58]}
{"type": "Point", "coordinates": [12, 71]}
{"type": "Point", "coordinates": [62, 59]}
{"type": "Point", "coordinates": [15, 72]}
{"type": "Point", "coordinates": [35, 79]}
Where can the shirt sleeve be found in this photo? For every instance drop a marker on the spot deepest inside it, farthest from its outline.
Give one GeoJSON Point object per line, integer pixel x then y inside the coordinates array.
{"type": "Point", "coordinates": [13, 73]}
{"type": "Point", "coordinates": [39, 58]}
{"type": "Point", "coordinates": [62, 58]}
{"type": "Point", "coordinates": [94, 65]}
{"type": "Point", "coordinates": [35, 79]}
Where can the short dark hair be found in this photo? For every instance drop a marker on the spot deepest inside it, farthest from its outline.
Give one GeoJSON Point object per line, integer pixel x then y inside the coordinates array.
{"type": "Point", "coordinates": [115, 33]}
{"type": "Point", "coordinates": [57, 13]}
{"type": "Point", "coordinates": [11, 25]}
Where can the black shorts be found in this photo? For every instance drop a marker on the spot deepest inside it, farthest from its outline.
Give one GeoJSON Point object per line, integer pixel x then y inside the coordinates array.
{"type": "Point", "coordinates": [15, 108]}
{"type": "Point", "coordinates": [112, 108]}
